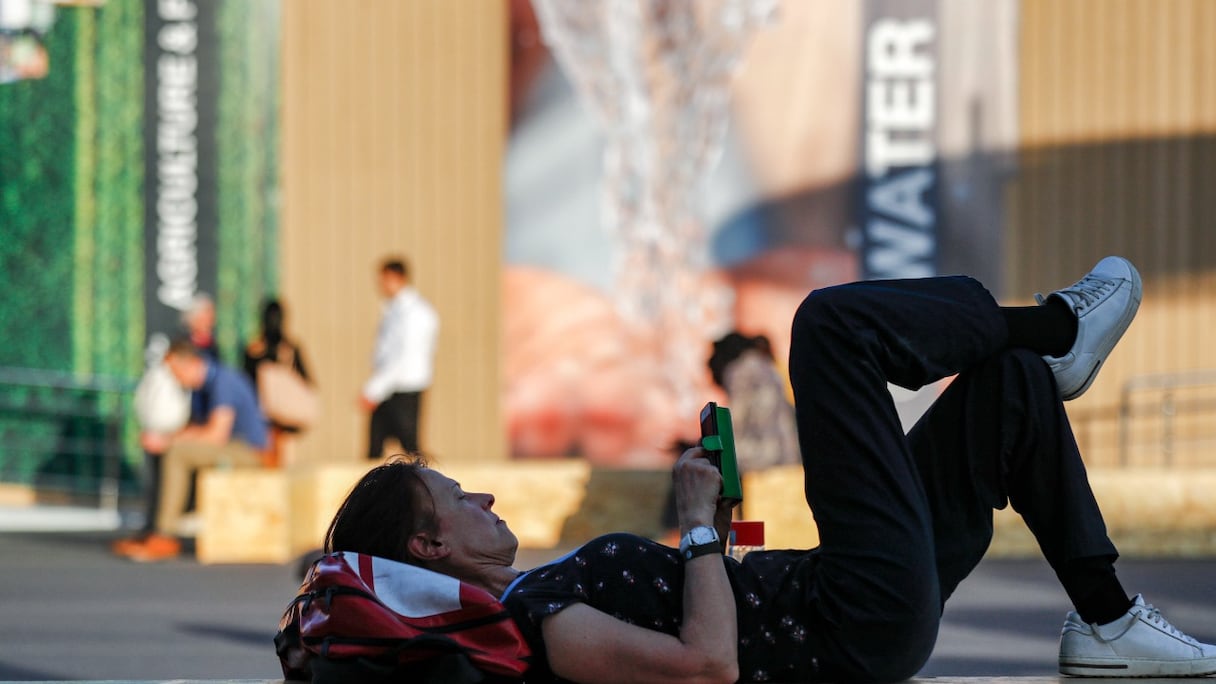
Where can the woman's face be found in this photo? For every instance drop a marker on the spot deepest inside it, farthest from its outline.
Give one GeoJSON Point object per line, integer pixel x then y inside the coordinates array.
{"type": "Point", "coordinates": [466, 523]}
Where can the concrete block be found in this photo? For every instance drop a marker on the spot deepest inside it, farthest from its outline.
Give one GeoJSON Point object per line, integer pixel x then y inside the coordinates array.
{"type": "Point", "coordinates": [1148, 511]}
{"type": "Point", "coordinates": [16, 495]}
{"type": "Point", "coordinates": [619, 501]}
{"type": "Point", "coordinates": [316, 491]}
{"type": "Point", "coordinates": [534, 498]}
{"type": "Point", "coordinates": [775, 496]}
{"type": "Point", "coordinates": [1159, 511]}
{"type": "Point", "coordinates": [244, 515]}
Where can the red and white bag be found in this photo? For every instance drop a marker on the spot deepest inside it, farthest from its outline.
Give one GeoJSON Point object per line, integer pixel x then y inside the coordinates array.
{"type": "Point", "coordinates": [364, 618]}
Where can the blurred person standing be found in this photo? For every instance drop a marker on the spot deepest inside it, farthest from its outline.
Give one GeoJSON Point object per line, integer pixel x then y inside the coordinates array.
{"type": "Point", "coordinates": [273, 346]}
{"type": "Point", "coordinates": [402, 363]}
{"type": "Point", "coordinates": [231, 431]}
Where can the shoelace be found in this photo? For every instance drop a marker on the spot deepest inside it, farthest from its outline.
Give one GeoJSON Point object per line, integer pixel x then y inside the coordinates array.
{"type": "Point", "coordinates": [1155, 616]}
{"type": "Point", "coordinates": [1088, 290]}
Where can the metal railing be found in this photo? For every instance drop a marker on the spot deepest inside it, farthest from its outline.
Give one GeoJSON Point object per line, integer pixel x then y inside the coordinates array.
{"type": "Point", "coordinates": [64, 435]}
{"type": "Point", "coordinates": [1180, 408]}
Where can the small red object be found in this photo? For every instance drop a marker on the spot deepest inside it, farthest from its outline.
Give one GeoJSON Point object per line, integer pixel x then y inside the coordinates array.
{"type": "Point", "coordinates": [747, 532]}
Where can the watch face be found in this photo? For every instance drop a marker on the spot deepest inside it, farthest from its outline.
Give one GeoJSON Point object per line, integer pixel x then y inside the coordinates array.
{"type": "Point", "coordinates": [702, 535]}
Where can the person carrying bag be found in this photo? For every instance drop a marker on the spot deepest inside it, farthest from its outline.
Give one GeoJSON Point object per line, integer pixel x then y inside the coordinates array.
{"type": "Point", "coordinates": [286, 395]}
{"type": "Point", "coordinates": [287, 398]}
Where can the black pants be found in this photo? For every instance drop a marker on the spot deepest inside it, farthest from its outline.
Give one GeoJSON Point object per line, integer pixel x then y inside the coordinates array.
{"type": "Point", "coordinates": [151, 485]}
{"type": "Point", "coordinates": [397, 417]}
{"type": "Point", "coordinates": [904, 518]}
{"type": "Point", "coordinates": [150, 481]}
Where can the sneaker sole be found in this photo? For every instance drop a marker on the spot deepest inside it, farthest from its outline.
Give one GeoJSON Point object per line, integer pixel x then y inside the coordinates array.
{"type": "Point", "coordinates": [1108, 345]}
{"type": "Point", "coordinates": [1139, 669]}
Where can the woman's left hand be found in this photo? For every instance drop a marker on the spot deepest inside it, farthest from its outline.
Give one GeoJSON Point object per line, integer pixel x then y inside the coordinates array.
{"type": "Point", "coordinates": [722, 518]}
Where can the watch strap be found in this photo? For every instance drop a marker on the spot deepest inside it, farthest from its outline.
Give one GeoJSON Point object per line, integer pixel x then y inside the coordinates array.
{"type": "Point", "coordinates": [692, 552]}
{"type": "Point", "coordinates": [702, 531]}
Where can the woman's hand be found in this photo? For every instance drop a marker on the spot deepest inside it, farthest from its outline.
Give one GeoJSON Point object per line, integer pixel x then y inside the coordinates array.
{"type": "Point", "coordinates": [588, 645]}
{"type": "Point", "coordinates": [697, 485]}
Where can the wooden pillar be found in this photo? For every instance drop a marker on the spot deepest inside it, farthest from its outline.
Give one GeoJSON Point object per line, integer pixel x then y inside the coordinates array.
{"type": "Point", "coordinates": [394, 124]}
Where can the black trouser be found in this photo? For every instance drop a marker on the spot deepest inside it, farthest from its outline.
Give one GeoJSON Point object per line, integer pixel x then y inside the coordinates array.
{"type": "Point", "coordinates": [397, 417]}
{"type": "Point", "coordinates": [151, 485]}
{"type": "Point", "coordinates": [903, 519]}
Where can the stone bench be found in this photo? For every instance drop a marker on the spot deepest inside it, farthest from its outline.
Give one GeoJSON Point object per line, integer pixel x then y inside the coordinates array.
{"type": "Point", "coordinates": [273, 516]}
{"type": "Point", "coordinates": [1148, 511]}
{"type": "Point", "coordinates": [245, 516]}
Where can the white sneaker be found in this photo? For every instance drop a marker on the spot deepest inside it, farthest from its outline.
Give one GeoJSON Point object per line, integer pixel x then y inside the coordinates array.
{"type": "Point", "coordinates": [1105, 302]}
{"type": "Point", "coordinates": [1142, 643]}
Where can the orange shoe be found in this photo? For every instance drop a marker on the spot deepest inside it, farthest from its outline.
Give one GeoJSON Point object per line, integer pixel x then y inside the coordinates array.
{"type": "Point", "coordinates": [125, 547]}
{"type": "Point", "coordinates": [154, 547]}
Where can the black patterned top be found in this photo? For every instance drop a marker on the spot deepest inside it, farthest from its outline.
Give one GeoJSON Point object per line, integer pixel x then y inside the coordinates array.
{"type": "Point", "coordinates": [641, 582]}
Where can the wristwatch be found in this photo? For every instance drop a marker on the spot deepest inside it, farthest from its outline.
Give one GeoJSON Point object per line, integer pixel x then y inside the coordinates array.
{"type": "Point", "coordinates": [699, 541]}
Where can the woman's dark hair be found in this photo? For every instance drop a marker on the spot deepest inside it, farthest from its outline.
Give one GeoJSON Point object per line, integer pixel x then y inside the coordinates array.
{"type": "Point", "coordinates": [272, 323]}
{"type": "Point", "coordinates": [386, 507]}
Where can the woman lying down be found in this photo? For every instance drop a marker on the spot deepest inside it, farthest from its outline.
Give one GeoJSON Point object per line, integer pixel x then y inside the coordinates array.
{"type": "Point", "coordinates": [902, 518]}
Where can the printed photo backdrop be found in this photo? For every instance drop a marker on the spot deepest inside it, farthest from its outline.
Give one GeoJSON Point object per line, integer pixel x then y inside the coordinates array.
{"type": "Point", "coordinates": [867, 139]}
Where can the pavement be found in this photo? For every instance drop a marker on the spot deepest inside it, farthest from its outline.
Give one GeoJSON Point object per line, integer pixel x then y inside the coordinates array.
{"type": "Point", "coordinates": [70, 610]}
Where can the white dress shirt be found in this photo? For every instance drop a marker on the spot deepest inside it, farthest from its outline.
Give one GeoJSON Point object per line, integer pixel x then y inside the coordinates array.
{"type": "Point", "coordinates": [404, 357]}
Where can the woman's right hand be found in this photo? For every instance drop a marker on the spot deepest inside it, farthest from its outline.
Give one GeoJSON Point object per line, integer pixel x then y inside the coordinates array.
{"type": "Point", "coordinates": [697, 485]}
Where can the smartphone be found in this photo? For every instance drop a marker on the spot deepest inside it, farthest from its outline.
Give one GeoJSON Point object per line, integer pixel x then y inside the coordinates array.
{"type": "Point", "coordinates": [718, 438]}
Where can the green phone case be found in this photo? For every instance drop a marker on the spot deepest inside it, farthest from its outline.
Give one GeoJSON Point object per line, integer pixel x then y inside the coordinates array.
{"type": "Point", "coordinates": [722, 447]}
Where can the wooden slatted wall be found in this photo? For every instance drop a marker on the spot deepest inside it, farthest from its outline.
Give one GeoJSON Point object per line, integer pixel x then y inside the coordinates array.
{"type": "Point", "coordinates": [1118, 155]}
{"type": "Point", "coordinates": [394, 120]}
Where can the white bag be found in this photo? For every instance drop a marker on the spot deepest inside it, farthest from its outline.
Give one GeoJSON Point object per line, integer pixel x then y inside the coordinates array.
{"type": "Point", "coordinates": [162, 405]}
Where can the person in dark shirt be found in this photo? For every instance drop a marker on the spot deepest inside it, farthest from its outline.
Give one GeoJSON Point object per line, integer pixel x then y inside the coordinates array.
{"type": "Point", "coordinates": [273, 345]}
{"type": "Point", "coordinates": [903, 518]}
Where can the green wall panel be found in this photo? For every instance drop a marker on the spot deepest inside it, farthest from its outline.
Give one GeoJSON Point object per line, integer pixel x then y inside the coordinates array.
{"type": "Point", "coordinates": [37, 209]}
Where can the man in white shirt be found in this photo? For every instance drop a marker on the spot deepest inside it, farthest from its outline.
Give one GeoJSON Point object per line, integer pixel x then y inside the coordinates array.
{"type": "Point", "coordinates": [403, 362]}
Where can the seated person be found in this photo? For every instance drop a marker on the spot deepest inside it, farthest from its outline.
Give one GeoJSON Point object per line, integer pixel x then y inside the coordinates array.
{"type": "Point", "coordinates": [903, 518]}
{"type": "Point", "coordinates": [229, 430]}
{"type": "Point", "coordinates": [763, 419]}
